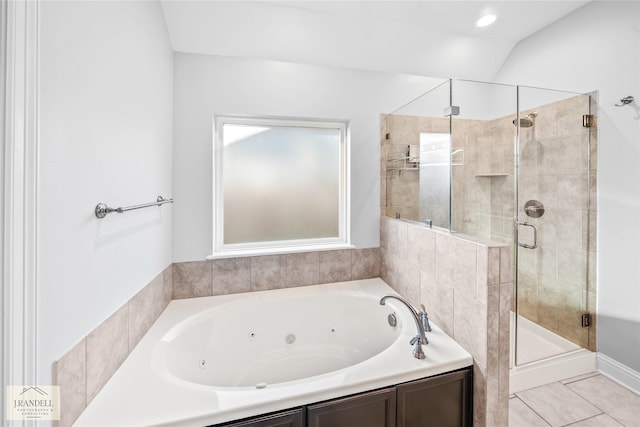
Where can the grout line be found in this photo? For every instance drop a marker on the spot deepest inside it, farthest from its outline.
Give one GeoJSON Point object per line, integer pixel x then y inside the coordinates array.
{"type": "Point", "coordinates": [211, 275]}
{"type": "Point", "coordinates": [126, 305]}
{"type": "Point", "coordinates": [593, 404]}
{"type": "Point", "coordinates": [173, 289]}
{"type": "Point", "coordinates": [532, 410]}
{"type": "Point", "coordinates": [593, 417]}
{"type": "Point", "coordinates": [351, 264]}
{"type": "Point", "coordinates": [86, 373]}
{"type": "Point", "coordinates": [250, 274]}
{"type": "Point", "coordinates": [580, 397]}
{"type": "Point", "coordinates": [579, 378]}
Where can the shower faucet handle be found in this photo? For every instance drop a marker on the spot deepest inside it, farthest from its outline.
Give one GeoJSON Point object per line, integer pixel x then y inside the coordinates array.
{"type": "Point", "coordinates": [424, 318]}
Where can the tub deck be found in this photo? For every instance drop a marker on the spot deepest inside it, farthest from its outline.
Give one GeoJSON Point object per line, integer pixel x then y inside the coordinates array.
{"type": "Point", "coordinates": [144, 392]}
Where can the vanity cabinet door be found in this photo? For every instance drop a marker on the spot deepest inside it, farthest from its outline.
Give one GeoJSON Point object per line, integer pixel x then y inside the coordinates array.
{"type": "Point", "coordinates": [293, 418]}
{"type": "Point", "coordinates": [442, 401]}
{"type": "Point", "coordinates": [374, 409]}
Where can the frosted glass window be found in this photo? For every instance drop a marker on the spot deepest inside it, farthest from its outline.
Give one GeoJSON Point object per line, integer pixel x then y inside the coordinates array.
{"type": "Point", "coordinates": [279, 183]}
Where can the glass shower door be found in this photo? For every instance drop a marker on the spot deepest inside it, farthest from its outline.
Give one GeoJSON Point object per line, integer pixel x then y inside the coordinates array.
{"type": "Point", "coordinates": [554, 223]}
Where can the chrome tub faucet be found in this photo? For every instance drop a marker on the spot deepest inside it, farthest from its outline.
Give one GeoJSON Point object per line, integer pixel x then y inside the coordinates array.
{"type": "Point", "coordinates": [424, 318]}
{"type": "Point", "coordinates": [422, 325]}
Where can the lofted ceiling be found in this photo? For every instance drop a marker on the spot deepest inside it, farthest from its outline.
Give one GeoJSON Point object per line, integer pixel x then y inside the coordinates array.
{"type": "Point", "coordinates": [431, 38]}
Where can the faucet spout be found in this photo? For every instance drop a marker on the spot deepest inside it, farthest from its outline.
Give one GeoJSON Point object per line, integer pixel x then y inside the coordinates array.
{"type": "Point", "coordinates": [420, 338]}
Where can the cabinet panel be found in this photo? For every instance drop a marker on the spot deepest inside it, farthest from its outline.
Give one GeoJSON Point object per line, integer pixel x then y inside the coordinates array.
{"type": "Point", "coordinates": [293, 418]}
{"type": "Point", "coordinates": [375, 409]}
{"type": "Point", "coordinates": [443, 401]}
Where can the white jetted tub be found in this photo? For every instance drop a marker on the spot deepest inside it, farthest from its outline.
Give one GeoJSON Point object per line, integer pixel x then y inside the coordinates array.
{"type": "Point", "coordinates": [215, 359]}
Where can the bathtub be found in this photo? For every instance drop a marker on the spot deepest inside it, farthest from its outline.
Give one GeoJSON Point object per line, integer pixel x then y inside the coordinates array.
{"type": "Point", "coordinates": [215, 359]}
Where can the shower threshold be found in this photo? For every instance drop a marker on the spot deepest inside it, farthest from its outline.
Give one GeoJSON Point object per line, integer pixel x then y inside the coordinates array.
{"type": "Point", "coordinates": [544, 357]}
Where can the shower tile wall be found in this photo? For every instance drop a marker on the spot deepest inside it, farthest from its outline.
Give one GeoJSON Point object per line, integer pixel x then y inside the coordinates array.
{"type": "Point", "coordinates": [557, 280]}
{"type": "Point", "coordinates": [466, 286]}
{"type": "Point", "coordinates": [482, 187]}
{"type": "Point", "coordinates": [401, 189]}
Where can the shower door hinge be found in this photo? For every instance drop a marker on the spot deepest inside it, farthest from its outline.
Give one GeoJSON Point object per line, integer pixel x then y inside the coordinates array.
{"type": "Point", "coordinates": [588, 120]}
{"type": "Point", "coordinates": [387, 136]}
{"type": "Point", "coordinates": [586, 320]}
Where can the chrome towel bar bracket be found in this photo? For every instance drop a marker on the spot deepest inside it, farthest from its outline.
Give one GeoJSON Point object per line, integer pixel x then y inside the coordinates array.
{"type": "Point", "coordinates": [625, 101]}
{"type": "Point", "coordinates": [102, 209]}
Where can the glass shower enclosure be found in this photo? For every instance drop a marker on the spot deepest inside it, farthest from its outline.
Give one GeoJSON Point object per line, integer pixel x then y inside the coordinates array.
{"type": "Point", "coordinates": [515, 165]}
{"type": "Point", "coordinates": [556, 218]}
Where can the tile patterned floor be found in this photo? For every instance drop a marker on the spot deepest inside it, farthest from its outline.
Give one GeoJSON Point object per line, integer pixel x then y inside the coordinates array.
{"type": "Point", "coordinates": [591, 400]}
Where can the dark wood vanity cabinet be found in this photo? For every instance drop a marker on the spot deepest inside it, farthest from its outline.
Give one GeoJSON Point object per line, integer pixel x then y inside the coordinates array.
{"type": "Point", "coordinates": [293, 418]}
{"type": "Point", "coordinates": [372, 409]}
{"type": "Point", "coordinates": [441, 401]}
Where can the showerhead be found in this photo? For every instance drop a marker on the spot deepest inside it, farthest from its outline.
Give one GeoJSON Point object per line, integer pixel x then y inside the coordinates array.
{"type": "Point", "coordinates": [526, 121]}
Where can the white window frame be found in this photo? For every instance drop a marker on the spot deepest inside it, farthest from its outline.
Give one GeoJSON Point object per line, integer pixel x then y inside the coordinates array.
{"type": "Point", "coordinates": [221, 250]}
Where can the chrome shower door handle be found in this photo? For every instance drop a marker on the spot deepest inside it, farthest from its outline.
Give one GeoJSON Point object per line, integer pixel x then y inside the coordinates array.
{"type": "Point", "coordinates": [535, 236]}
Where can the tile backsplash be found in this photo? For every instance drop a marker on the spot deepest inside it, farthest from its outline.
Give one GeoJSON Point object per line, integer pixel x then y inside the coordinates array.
{"type": "Point", "coordinates": [260, 273]}
{"type": "Point", "coordinates": [86, 368]}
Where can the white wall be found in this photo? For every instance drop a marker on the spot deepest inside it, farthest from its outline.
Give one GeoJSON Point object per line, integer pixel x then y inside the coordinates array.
{"type": "Point", "coordinates": [105, 136]}
{"type": "Point", "coordinates": [207, 85]}
{"type": "Point", "coordinates": [598, 47]}
{"type": "Point", "coordinates": [3, 67]}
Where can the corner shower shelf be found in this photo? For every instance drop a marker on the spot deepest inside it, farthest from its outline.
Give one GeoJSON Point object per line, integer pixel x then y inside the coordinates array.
{"type": "Point", "coordinates": [403, 163]}
{"type": "Point", "coordinates": [490, 175]}
{"type": "Point", "coordinates": [402, 169]}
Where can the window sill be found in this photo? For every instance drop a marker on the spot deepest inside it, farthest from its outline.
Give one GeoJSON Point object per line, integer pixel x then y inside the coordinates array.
{"type": "Point", "coordinates": [241, 253]}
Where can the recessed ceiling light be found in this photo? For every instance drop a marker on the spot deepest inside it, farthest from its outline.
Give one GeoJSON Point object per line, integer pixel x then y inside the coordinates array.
{"type": "Point", "coordinates": [486, 20]}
